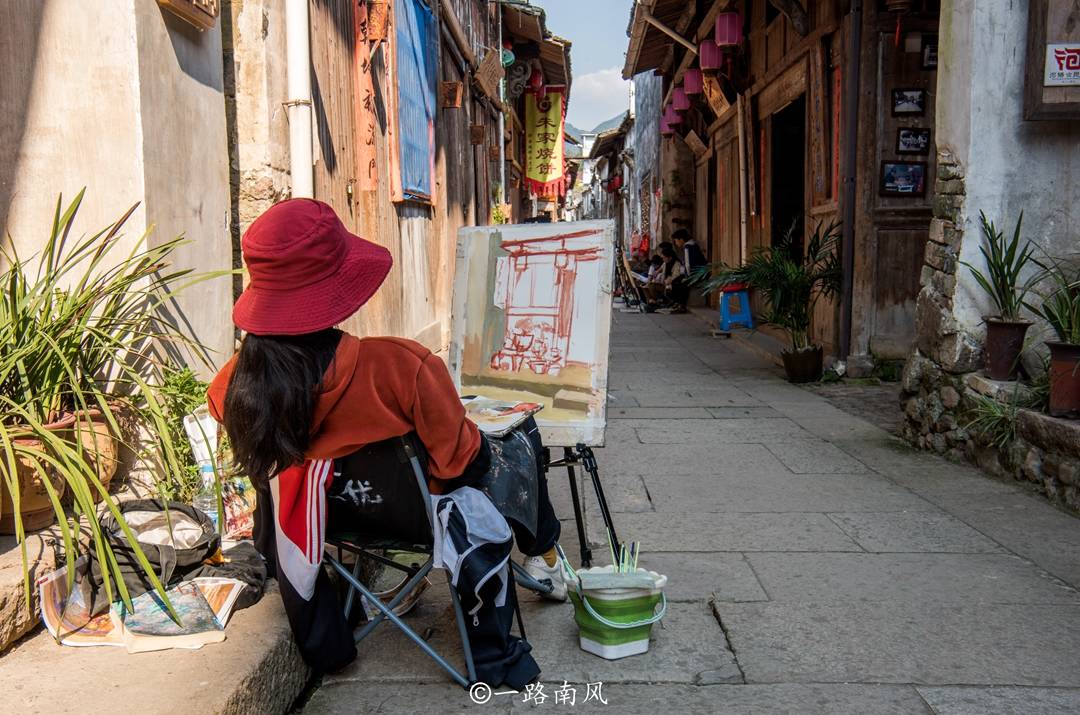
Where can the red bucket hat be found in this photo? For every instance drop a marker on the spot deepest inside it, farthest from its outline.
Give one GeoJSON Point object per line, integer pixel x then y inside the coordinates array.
{"type": "Point", "coordinates": [307, 272]}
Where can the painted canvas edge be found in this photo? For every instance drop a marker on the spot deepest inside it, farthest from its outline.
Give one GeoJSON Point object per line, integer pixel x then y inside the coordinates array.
{"type": "Point", "coordinates": [592, 434]}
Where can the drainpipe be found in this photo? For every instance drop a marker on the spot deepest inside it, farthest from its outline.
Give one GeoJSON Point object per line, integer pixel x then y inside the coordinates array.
{"type": "Point", "coordinates": [502, 112]}
{"type": "Point", "coordinates": [298, 67]}
{"type": "Point", "coordinates": [851, 120]}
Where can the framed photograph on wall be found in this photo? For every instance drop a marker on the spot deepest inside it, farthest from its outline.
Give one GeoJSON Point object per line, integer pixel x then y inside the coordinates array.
{"type": "Point", "coordinates": [913, 140]}
{"type": "Point", "coordinates": [929, 52]}
{"type": "Point", "coordinates": [1052, 74]}
{"type": "Point", "coordinates": [908, 102]}
{"type": "Point", "coordinates": [903, 178]}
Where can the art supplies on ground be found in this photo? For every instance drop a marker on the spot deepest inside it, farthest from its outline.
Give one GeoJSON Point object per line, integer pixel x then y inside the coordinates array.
{"type": "Point", "coordinates": [615, 606]}
{"type": "Point", "coordinates": [497, 417]}
{"type": "Point", "coordinates": [204, 605]}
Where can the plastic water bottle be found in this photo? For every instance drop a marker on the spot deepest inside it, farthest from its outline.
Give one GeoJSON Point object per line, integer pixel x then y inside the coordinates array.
{"type": "Point", "coordinates": [206, 500]}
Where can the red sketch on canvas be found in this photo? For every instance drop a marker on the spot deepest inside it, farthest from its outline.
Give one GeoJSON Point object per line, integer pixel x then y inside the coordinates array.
{"type": "Point", "coordinates": [534, 285]}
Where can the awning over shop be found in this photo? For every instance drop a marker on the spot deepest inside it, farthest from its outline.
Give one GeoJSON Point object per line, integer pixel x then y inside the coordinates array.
{"type": "Point", "coordinates": [526, 22]}
{"type": "Point", "coordinates": [648, 47]}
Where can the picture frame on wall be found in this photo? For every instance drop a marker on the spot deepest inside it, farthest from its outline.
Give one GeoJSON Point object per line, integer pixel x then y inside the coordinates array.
{"type": "Point", "coordinates": [929, 52]}
{"type": "Point", "coordinates": [909, 102]}
{"type": "Point", "coordinates": [903, 179]}
{"type": "Point", "coordinates": [913, 140]}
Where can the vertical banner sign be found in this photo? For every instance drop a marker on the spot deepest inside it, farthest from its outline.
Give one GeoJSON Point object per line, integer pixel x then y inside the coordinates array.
{"type": "Point", "coordinates": [544, 174]}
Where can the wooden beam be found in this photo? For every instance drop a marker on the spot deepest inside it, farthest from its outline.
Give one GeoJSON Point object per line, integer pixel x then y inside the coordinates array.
{"type": "Point", "coordinates": [450, 22]}
{"type": "Point", "coordinates": [648, 17]}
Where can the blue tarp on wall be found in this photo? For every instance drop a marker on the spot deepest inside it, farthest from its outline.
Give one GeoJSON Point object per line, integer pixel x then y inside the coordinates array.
{"type": "Point", "coordinates": [416, 79]}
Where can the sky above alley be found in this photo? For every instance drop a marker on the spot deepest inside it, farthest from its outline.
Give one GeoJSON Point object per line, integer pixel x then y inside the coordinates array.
{"type": "Point", "coordinates": [597, 29]}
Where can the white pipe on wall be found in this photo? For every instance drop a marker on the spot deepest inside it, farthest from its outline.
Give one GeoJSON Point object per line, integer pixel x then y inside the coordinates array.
{"type": "Point", "coordinates": [298, 59]}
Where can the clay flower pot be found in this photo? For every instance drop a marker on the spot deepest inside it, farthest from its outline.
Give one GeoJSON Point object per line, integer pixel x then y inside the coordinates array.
{"type": "Point", "coordinates": [1064, 380]}
{"type": "Point", "coordinates": [1004, 342]}
{"type": "Point", "coordinates": [35, 506]}
{"type": "Point", "coordinates": [803, 365]}
{"type": "Point", "coordinates": [99, 444]}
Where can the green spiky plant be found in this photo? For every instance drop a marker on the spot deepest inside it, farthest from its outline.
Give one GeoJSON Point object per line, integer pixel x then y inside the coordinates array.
{"type": "Point", "coordinates": [1061, 306]}
{"type": "Point", "coordinates": [1005, 260]}
{"type": "Point", "coordinates": [82, 327]}
{"type": "Point", "coordinates": [791, 281]}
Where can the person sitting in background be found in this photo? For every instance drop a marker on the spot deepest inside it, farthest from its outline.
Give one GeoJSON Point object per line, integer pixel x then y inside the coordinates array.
{"type": "Point", "coordinates": [654, 288]}
{"type": "Point", "coordinates": [692, 257]}
{"type": "Point", "coordinates": [676, 287]}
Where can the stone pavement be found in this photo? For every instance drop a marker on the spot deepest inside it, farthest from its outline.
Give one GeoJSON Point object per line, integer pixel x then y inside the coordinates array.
{"type": "Point", "coordinates": [816, 565]}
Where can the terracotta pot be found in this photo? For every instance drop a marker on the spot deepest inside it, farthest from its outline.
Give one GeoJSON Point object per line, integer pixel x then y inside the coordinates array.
{"type": "Point", "coordinates": [1064, 380]}
{"type": "Point", "coordinates": [99, 445]}
{"type": "Point", "coordinates": [803, 365]}
{"type": "Point", "coordinates": [34, 504]}
{"type": "Point", "coordinates": [1004, 342]}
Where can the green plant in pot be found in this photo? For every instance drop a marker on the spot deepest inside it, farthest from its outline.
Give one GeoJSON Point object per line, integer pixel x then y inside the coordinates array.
{"type": "Point", "coordinates": [82, 339]}
{"type": "Point", "coordinates": [1061, 309]}
{"type": "Point", "coordinates": [791, 281]}
{"type": "Point", "coordinates": [1004, 261]}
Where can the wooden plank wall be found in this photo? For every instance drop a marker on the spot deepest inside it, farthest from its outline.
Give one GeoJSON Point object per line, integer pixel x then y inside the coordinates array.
{"type": "Point", "coordinates": [415, 300]}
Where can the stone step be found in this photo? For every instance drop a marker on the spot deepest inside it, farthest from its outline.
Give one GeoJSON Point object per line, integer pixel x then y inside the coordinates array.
{"type": "Point", "coordinates": [257, 669]}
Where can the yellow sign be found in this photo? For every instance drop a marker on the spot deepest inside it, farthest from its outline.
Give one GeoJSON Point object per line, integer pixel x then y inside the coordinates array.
{"type": "Point", "coordinates": [544, 174]}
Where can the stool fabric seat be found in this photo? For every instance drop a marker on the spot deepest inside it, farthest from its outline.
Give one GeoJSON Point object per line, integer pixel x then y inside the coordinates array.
{"type": "Point", "coordinates": [728, 317]}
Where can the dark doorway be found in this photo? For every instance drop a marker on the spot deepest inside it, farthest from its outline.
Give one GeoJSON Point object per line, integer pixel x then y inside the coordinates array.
{"type": "Point", "coordinates": [788, 188]}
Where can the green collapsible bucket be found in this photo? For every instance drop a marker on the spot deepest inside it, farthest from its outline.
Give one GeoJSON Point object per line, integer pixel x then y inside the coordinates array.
{"type": "Point", "coordinates": [615, 612]}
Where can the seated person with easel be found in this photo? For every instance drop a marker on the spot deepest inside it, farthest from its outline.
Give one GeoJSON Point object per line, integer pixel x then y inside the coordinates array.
{"type": "Point", "coordinates": [301, 393]}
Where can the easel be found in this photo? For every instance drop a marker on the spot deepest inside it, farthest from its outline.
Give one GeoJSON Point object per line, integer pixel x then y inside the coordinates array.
{"type": "Point", "coordinates": [583, 456]}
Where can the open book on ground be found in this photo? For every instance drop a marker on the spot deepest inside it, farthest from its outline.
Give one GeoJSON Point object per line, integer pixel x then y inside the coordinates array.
{"type": "Point", "coordinates": [68, 621]}
{"type": "Point", "coordinates": [497, 417]}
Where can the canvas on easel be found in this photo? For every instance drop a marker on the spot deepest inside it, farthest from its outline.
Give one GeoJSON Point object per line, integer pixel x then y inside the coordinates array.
{"type": "Point", "coordinates": [532, 320]}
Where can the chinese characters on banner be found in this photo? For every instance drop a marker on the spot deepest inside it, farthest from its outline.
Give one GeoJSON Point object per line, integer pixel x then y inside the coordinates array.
{"type": "Point", "coordinates": [1062, 65]}
{"type": "Point", "coordinates": [544, 171]}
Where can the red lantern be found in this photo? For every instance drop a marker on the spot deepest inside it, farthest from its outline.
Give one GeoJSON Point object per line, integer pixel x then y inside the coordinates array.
{"type": "Point", "coordinates": [666, 130]}
{"type": "Point", "coordinates": [693, 81]}
{"type": "Point", "coordinates": [728, 32]}
{"type": "Point", "coordinates": [710, 56]}
{"type": "Point", "coordinates": [679, 100]}
{"type": "Point", "coordinates": [671, 116]}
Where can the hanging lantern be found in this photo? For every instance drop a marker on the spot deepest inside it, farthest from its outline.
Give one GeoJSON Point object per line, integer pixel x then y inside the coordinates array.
{"type": "Point", "coordinates": [679, 100]}
{"type": "Point", "coordinates": [693, 82]}
{"type": "Point", "coordinates": [671, 116]}
{"type": "Point", "coordinates": [728, 31]}
{"type": "Point", "coordinates": [710, 56]}
{"type": "Point", "coordinates": [665, 129]}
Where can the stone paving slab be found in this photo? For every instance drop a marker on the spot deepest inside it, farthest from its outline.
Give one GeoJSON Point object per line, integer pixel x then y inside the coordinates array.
{"type": "Point", "coordinates": [698, 576]}
{"type": "Point", "coordinates": [913, 531]}
{"type": "Point", "coordinates": [1002, 700]}
{"type": "Point", "coordinates": [954, 579]}
{"type": "Point", "coordinates": [813, 456]}
{"type": "Point", "coordinates": [897, 642]}
{"type": "Point", "coordinates": [731, 532]}
{"type": "Point", "coordinates": [723, 413]}
{"type": "Point", "coordinates": [737, 429]}
{"type": "Point", "coordinates": [686, 459]}
{"type": "Point", "coordinates": [769, 492]}
{"type": "Point", "coordinates": [689, 642]}
{"type": "Point", "coordinates": [653, 396]}
{"type": "Point", "coordinates": [680, 413]}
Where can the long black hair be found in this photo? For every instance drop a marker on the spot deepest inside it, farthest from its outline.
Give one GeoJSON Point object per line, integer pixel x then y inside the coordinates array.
{"type": "Point", "coordinates": [271, 398]}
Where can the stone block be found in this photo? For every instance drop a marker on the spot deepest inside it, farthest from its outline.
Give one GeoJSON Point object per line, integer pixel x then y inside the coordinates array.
{"type": "Point", "coordinates": [1005, 391]}
{"type": "Point", "coordinates": [950, 398]}
{"type": "Point", "coordinates": [1050, 434]}
{"type": "Point", "coordinates": [950, 186]}
{"type": "Point", "coordinates": [939, 257]}
{"type": "Point", "coordinates": [1032, 468]}
{"type": "Point", "coordinates": [913, 531]}
{"type": "Point", "coordinates": [966, 700]}
{"type": "Point", "coordinates": [948, 171]}
{"type": "Point", "coordinates": [17, 616]}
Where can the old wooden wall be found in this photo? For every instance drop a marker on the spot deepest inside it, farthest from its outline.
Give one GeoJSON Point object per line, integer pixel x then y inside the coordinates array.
{"type": "Point", "coordinates": [889, 232]}
{"type": "Point", "coordinates": [415, 300]}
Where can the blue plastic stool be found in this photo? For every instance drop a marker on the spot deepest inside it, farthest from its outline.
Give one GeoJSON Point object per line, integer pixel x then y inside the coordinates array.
{"type": "Point", "coordinates": [742, 315]}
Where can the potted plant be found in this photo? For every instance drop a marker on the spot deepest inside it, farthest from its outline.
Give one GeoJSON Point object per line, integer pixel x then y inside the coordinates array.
{"type": "Point", "coordinates": [1004, 260]}
{"type": "Point", "coordinates": [82, 329]}
{"type": "Point", "coordinates": [1061, 309]}
{"type": "Point", "coordinates": [791, 281]}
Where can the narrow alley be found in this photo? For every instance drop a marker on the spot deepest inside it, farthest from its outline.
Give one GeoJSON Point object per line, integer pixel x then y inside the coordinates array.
{"type": "Point", "coordinates": [816, 565]}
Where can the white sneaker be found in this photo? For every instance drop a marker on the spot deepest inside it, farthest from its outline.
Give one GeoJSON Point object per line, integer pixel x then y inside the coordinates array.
{"type": "Point", "coordinates": [536, 567]}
